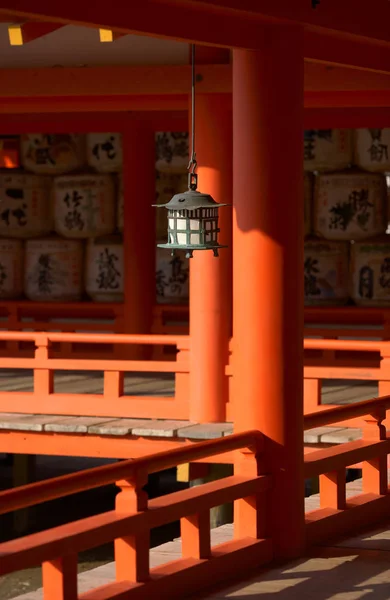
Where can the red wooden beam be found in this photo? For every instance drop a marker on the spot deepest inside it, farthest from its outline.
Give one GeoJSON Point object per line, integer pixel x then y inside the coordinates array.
{"type": "Point", "coordinates": [331, 34]}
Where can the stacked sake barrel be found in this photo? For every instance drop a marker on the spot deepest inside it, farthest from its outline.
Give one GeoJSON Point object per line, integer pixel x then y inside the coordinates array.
{"type": "Point", "coordinates": [172, 272]}
{"type": "Point", "coordinates": [56, 219]}
{"type": "Point", "coordinates": [349, 216]}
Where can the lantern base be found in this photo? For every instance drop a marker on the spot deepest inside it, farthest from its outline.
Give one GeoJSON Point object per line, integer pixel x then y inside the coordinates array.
{"type": "Point", "coordinates": [189, 250]}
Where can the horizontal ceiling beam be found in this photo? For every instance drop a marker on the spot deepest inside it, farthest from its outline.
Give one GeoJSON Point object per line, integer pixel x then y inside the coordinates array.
{"type": "Point", "coordinates": [358, 18]}
{"type": "Point", "coordinates": [322, 82]}
{"type": "Point", "coordinates": [331, 35]}
{"type": "Point", "coordinates": [156, 18]}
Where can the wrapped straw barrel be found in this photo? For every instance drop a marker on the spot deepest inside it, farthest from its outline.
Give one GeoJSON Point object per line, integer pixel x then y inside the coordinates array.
{"type": "Point", "coordinates": [172, 277]}
{"type": "Point", "coordinates": [104, 152]}
{"type": "Point", "coordinates": [308, 187]}
{"type": "Point", "coordinates": [84, 205]}
{"type": "Point", "coordinates": [171, 152]}
{"type": "Point", "coordinates": [25, 205]}
{"type": "Point", "coordinates": [104, 278]}
{"type": "Point", "coordinates": [167, 185]}
{"type": "Point", "coordinates": [327, 149]}
{"type": "Point", "coordinates": [11, 269]}
{"type": "Point", "coordinates": [52, 154]}
{"type": "Point", "coordinates": [326, 272]}
{"type": "Point", "coordinates": [372, 149]}
{"type": "Point", "coordinates": [53, 270]}
{"type": "Point", "coordinates": [350, 206]}
{"type": "Point", "coordinates": [370, 272]}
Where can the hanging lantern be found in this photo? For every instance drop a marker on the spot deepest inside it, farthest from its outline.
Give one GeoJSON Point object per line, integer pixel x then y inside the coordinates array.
{"type": "Point", "coordinates": [192, 221]}
{"type": "Point", "coordinates": [192, 215]}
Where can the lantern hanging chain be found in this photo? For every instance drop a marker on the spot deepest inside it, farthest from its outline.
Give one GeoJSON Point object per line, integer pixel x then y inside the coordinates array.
{"type": "Point", "coordinates": [193, 162]}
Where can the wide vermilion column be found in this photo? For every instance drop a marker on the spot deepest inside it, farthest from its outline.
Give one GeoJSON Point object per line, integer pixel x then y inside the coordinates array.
{"type": "Point", "coordinates": [210, 277]}
{"type": "Point", "coordinates": [139, 235]}
{"type": "Point", "coordinates": [268, 268]}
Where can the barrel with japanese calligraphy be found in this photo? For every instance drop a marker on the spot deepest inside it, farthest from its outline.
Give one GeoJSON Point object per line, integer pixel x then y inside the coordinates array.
{"type": "Point", "coordinates": [52, 154]}
{"type": "Point", "coordinates": [171, 151]}
{"type": "Point", "coordinates": [370, 272]}
{"type": "Point", "coordinates": [84, 205]}
{"type": "Point", "coordinates": [53, 270]}
{"type": "Point", "coordinates": [25, 205]}
{"type": "Point", "coordinates": [120, 203]}
{"type": "Point", "coordinates": [350, 206]}
{"type": "Point", "coordinates": [104, 152]}
{"type": "Point", "coordinates": [307, 190]}
{"type": "Point", "coordinates": [11, 269]}
{"type": "Point", "coordinates": [167, 185]}
{"type": "Point", "coordinates": [327, 149]}
{"type": "Point", "coordinates": [326, 272]}
{"type": "Point", "coordinates": [104, 276]}
{"type": "Point", "coordinates": [172, 277]}
{"type": "Point", "coordinates": [372, 149]}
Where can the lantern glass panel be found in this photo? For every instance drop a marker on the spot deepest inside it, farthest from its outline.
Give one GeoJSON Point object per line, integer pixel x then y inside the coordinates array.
{"type": "Point", "coordinates": [194, 224]}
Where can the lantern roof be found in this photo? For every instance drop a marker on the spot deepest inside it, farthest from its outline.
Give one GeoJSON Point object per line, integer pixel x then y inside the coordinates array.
{"type": "Point", "coordinates": [190, 200]}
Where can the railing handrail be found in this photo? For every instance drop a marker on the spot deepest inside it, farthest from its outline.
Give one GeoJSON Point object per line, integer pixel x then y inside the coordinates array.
{"type": "Point", "coordinates": [50, 489]}
{"type": "Point", "coordinates": [343, 413]}
{"type": "Point", "coordinates": [357, 345]}
{"type": "Point", "coordinates": [93, 338]}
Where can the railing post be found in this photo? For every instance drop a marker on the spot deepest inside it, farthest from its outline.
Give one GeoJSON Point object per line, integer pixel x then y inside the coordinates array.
{"type": "Point", "coordinates": [375, 470]}
{"type": "Point", "coordinates": [132, 552]}
{"type": "Point", "coordinates": [113, 384]}
{"type": "Point", "coordinates": [384, 382]}
{"type": "Point", "coordinates": [43, 376]}
{"type": "Point", "coordinates": [311, 394]}
{"type": "Point", "coordinates": [251, 513]}
{"type": "Point", "coordinates": [182, 379]}
{"type": "Point", "coordinates": [195, 535]}
{"type": "Point", "coordinates": [333, 489]}
{"type": "Point", "coordinates": [59, 578]}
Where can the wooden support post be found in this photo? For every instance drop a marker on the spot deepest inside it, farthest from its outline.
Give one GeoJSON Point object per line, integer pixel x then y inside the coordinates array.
{"type": "Point", "coordinates": [268, 238]}
{"type": "Point", "coordinates": [210, 277]}
{"type": "Point", "coordinates": [139, 232]}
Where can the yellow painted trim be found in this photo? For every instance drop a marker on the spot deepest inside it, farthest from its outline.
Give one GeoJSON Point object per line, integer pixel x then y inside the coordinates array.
{"type": "Point", "coordinates": [15, 35]}
{"type": "Point", "coordinates": [106, 35]}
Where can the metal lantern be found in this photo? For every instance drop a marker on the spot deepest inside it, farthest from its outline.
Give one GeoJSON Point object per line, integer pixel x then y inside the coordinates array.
{"type": "Point", "coordinates": [192, 221]}
{"type": "Point", "coordinates": [192, 215]}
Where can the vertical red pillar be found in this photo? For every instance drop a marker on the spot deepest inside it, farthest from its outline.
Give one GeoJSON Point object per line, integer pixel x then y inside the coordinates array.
{"type": "Point", "coordinates": [268, 267]}
{"type": "Point", "coordinates": [210, 277]}
{"type": "Point", "coordinates": [139, 234]}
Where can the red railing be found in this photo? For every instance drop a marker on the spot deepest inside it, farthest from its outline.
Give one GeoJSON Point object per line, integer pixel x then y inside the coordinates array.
{"type": "Point", "coordinates": [339, 515]}
{"type": "Point", "coordinates": [82, 317]}
{"type": "Point", "coordinates": [112, 402]}
{"type": "Point", "coordinates": [134, 516]}
{"type": "Point", "coordinates": [344, 360]}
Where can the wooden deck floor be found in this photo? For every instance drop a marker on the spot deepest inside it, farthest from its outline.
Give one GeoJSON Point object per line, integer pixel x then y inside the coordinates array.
{"type": "Point", "coordinates": [352, 569]}
{"type": "Point", "coordinates": [334, 392]}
